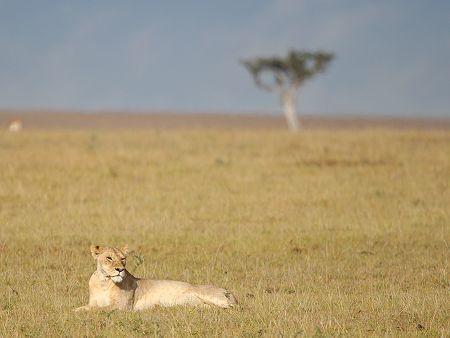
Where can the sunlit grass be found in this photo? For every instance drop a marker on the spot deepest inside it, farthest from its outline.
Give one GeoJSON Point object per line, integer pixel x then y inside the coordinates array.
{"type": "Point", "coordinates": [322, 233]}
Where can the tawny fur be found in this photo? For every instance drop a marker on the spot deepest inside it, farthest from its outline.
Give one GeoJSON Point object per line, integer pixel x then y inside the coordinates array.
{"type": "Point", "coordinates": [112, 287]}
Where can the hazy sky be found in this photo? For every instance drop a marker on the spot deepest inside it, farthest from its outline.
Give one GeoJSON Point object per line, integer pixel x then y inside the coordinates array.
{"type": "Point", "coordinates": [393, 57]}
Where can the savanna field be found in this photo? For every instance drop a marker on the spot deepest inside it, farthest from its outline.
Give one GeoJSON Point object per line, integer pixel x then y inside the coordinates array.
{"type": "Point", "coordinates": [326, 233]}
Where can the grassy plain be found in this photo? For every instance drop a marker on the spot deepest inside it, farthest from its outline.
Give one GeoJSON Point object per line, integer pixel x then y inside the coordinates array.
{"type": "Point", "coordinates": [325, 233]}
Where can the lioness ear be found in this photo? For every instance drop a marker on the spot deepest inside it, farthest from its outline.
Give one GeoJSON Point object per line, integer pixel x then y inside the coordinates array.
{"type": "Point", "coordinates": [124, 249]}
{"type": "Point", "coordinates": [96, 250]}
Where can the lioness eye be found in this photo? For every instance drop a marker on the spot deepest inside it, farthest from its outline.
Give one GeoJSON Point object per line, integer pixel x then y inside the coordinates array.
{"type": "Point", "coordinates": [109, 258]}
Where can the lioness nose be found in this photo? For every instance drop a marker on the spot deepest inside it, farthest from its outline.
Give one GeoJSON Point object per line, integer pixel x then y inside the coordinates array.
{"type": "Point", "coordinates": [119, 269]}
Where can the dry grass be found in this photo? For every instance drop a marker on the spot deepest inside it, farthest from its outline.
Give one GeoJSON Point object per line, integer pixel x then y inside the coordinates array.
{"type": "Point", "coordinates": [319, 234]}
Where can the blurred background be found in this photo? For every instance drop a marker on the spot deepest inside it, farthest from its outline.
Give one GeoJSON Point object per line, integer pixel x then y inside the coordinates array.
{"type": "Point", "coordinates": [392, 57]}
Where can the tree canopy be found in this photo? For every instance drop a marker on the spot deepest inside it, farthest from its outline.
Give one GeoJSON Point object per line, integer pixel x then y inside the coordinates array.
{"type": "Point", "coordinates": [290, 71]}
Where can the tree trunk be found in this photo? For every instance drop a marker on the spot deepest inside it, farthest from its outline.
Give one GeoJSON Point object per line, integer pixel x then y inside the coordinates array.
{"type": "Point", "coordinates": [289, 101]}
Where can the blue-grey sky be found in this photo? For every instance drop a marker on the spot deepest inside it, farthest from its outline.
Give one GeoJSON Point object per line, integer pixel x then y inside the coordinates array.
{"type": "Point", "coordinates": [393, 56]}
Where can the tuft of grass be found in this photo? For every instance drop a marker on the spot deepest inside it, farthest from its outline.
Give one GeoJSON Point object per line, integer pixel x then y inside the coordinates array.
{"type": "Point", "coordinates": [324, 233]}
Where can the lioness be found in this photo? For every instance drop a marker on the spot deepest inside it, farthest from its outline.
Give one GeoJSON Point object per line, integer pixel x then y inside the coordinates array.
{"type": "Point", "coordinates": [112, 287]}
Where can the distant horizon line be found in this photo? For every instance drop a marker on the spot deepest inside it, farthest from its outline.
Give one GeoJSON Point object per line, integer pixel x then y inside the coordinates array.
{"type": "Point", "coordinates": [268, 113]}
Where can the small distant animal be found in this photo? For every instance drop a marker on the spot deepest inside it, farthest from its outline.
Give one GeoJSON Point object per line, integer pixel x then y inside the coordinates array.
{"type": "Point", "coordinates": [112, 287]}
{"type": "Point", "coordinates": [15, 126]}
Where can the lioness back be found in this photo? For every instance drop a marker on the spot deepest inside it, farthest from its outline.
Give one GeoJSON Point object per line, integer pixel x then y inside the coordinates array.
{"type": "Point", "coordinates": [164, 293]}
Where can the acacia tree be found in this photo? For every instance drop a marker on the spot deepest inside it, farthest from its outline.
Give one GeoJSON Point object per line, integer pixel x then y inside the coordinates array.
{"type": "Point", "coordinates": [287, 75]}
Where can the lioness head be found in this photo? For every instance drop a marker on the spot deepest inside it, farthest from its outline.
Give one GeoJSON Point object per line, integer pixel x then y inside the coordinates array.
{"type": "Point", "coordinates": [110, 261]}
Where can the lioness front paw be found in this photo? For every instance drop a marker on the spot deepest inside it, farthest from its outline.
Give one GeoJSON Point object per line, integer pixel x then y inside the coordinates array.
{"type": "Point", "coordinates": [81, 308]}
